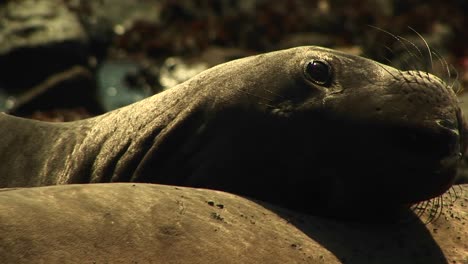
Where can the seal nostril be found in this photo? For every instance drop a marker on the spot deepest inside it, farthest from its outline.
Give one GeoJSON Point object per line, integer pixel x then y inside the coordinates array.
{"type": "Point", "coordinates": [448, 124]}
{"type": "Point", "coordinates": [425, 142]}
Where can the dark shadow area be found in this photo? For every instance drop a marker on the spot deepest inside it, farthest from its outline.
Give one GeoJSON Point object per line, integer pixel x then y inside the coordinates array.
{"type": "Point", "coordinates": [376, 242]}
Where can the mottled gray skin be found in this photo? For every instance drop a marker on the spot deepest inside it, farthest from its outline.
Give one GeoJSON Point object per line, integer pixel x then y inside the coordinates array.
{"type": "Point", "coordinates": [259, 127]}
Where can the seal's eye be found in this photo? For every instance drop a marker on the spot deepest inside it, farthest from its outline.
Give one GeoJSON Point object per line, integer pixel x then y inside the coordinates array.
{"type": "Point", "coordinates": [318, 72]}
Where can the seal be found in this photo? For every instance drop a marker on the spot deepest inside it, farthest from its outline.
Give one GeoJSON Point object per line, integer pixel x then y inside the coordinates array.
{"type": "Point", "coordinates": [308, 128]}
{"type": "Point", "coordinates": [142, 223]}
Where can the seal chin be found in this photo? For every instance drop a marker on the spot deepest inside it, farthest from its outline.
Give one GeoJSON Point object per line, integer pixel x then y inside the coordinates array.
{"type": "Point", "coordinates": [436, 183]}
{"type": "Point", "coordinates": [445, 153]}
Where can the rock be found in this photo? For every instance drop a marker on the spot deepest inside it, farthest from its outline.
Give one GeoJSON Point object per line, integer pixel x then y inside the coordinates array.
{"type": "Point", "coordinates": [307, 39]}
{"type": "Point", "coordinates": [149, 223]}
{"type": "Point", "coordinates": [61, 115]}
{"type": "Point", "coordinates": [38, 38]}
{"type": "Point", "coordinates": [115, 85]}
{"type": "Point", "coordinates": [72, 88]}
{"type": "Point", "coordinates": [176, 70]}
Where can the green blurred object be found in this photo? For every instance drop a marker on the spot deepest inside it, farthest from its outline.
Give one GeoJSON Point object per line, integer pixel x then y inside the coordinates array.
{"type": "Point", "coordinates": [113, 89]}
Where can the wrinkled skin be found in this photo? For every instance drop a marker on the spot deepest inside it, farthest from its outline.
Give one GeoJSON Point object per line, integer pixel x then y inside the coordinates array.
{"type": "Point", "coordinates": [264, 127]}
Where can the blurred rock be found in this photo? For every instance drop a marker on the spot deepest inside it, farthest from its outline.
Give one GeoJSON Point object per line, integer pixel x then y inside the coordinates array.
{"type": "Point", "coordinates": [73, 88]}
{"type": "Point", "coordinates": [175, 71]}
{"type": "Point", "coordinates": [117, 12]}
{"type": "Point", "coordinates": [38, 38]}
{"type": "Point", "coordinates": [105, 19]}
{"type": "Point", "coordinates": [306, 39]}
{"type": "Point", "coordinates": [61, 115]}
{"type": "Point", "coordinates": [116, 85]}
{"type": "Point", "coordinates": [215, 55]}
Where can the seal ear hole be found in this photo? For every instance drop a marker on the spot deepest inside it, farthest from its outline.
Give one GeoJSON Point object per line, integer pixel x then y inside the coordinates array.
{"type": "Point", "coordinates": [378, 109]}
{"type": "Point", "coordinates": [318, 72]}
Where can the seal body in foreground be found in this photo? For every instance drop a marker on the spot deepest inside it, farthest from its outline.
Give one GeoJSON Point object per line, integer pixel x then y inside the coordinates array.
{"type": "Point", "coordinates": [308, 128]}
{"type": "Point", "coordinates": [152, 223]}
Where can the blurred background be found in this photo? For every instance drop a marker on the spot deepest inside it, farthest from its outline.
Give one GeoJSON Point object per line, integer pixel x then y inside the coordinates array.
{"type": "Point", "coordinates": [62, 60]}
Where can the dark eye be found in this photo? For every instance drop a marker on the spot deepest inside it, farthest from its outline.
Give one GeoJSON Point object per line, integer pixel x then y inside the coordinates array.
{"type": "Point", "coordinates": [318, 72]}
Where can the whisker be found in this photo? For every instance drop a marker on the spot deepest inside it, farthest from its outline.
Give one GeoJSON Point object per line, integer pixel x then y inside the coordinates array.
{"type": "Point", "coordinates": [450, 192]}
{"type": "Point", "coordinates": [255, 95]}
{"type": "Point", "coordinates": [430, 212]}
{"type": "Point", "coordinates": [392, 52]}
{"type": "Point", "coordinates": [435, 210]}
{"type": "Point", "coordinates": [443, 62]}
{"type": "Point", "coordinates": [399, 39]}
{"type": "Point", "coordinates": [427, 46]}
{"type": "Point", "coordinates": [458, 194]}
{"type": "Point", "coordinates": [411, 53]}
{"type": "Point", "coordinates": [409, 62]}
{"type": "Point", "coordinates": [269, 105]}
{"type": "Point", "coordinates": [455, 80]}
{"type": "Point", "coordinates": [273, 93]}
{"type": "Point", "coordinates": [385, 31]}
{"type": "Point", "coordinates": [420, 208]}
{"type": "Point", "coordinates": [439, 209]}
{"type": "Point", "coordinates": [414, 46]}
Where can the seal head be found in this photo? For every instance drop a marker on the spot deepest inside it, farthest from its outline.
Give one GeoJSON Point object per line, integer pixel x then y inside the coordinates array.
{"type": "Point", "coordinates": [401, 133]}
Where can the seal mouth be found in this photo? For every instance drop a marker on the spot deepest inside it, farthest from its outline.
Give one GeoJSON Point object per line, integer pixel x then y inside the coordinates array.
{"type": "Point", "coordinates": [433, 153]}
{"type": "Point", "coordinates": [431, 144]}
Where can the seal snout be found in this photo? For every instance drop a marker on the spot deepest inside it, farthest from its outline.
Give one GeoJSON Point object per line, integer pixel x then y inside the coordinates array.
{"type": "Point", "coordinates": [435, 143]}
{"type": "Point", "coordinates": [451, 131]}
{"type": "Point", "coordinates": [435, 114]}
